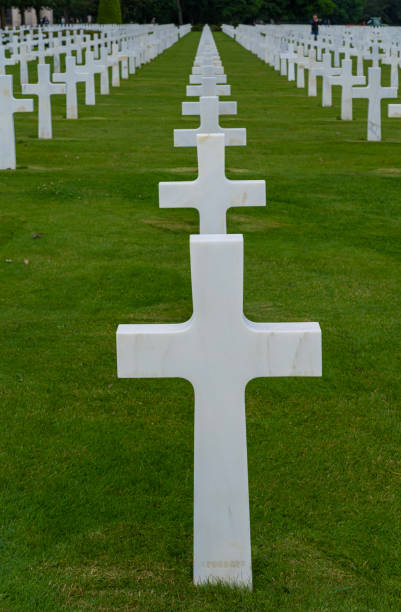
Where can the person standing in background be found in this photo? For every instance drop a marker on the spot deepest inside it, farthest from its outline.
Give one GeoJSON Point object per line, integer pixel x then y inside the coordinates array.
{"type": "Point", "coordinates": [315, 26]}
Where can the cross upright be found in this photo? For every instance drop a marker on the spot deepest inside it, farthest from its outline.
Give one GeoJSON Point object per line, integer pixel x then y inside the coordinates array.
{"type": "Point", "coordinates": [8, 106]}
{"type": "Point", "coordinates": [346, 80]}
{"type": "Point", "coordinates": [211, 193]}
{"type": "Point", "coordinates": [374, 92]}
{"type": "Point", "coordinates": [44, 89]}
{"type": "Point", "coordinates": [71, 77]}
{"type": "Point", "coordinates": [209, 124]}
{"type": "Point", "coordinates": [219, 351]}
{"type": "Point", "coordinates": [209, 87]}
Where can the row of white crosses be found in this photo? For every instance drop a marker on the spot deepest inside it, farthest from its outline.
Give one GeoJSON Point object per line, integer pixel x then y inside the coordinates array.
{"type": "Point", "coordinates": [292, 51]}
{"type": "Point", "coordinates": [218, 349]}
{"type": "Point", "coordinates": [111, 49]}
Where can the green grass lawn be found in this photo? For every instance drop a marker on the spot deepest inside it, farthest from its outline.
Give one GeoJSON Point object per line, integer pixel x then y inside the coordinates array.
{"type": "Point", "coordinates": [95, 472]}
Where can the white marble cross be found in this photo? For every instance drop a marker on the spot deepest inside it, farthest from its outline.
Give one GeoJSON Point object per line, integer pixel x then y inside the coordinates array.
{"type": "Point", "coordinates": [113, 60]}
{"type": "Point", "coordinates": [89, 70]}
{"type": "Point", "coordinates": [104, 75]}
{"type": "Point", "coordinates": [207, 71]}
{"type": "Point", "coordinates": [71, 77]}
{"type": "Point", "coordinates": [394, 62]}
{"type": "Point", "coordinates": [329, 71]}
{"type": "Point", "coordinates": [209, 87]}
{"type": "Point", "coordinates": [8, 106]}
{"type": "Point", "coordinates": [23, 57]}
{"type": "Point", "coordinates": [93, 66]}
{"type": "Point", "coordinates": [212, 194]}
{"type": "Point", "coordinates": [219, 351]}
{"type": "Point", "coordinates": [346, 80]}
{"type": "Point", "coordinates": [44, 89]}
{"type": "Point", "coordinates": [374, 93]}
{"type": "Point", "coordinates": [209, 124]}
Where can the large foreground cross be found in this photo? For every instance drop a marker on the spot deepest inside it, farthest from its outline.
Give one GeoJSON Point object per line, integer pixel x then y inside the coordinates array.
{"type": "Point", "coordinates": [219, 351]}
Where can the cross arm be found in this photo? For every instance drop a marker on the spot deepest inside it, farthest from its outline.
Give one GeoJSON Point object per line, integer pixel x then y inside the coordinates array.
{"type": "Point", "coordinates": [22, 106]}
{"type": "Point", "coordinates": [286, 349]}
{"type": "Point", "coordinates": [152, 351]}
{"type": "Point", "coordinates": [58, 89]}
{"type": "Point", "coordinates": [197, 79]}
{"type": "Point", "coordinates": [246, 193]}
{"type": "Point", "coordinates": [30, 89]}
{"type": "Point", "coordinates": [198, 90]}
{"type": "Point", "coordinates": [232, 136]}
{"type": "Point", "coordinates": [179, 194]}
{"type": "Point", "coordinates": [394, 111]}
{"type": "Point", "coordinates": [225, 108]}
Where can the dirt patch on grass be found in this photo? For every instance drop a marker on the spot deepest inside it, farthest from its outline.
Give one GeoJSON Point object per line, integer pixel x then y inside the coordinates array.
{"type": "Point", "coordinates": [171, 226]}
{"type": "Point", "coordinates": [254, 224]}
{"type": "Point", "coordinates": [388, 171]}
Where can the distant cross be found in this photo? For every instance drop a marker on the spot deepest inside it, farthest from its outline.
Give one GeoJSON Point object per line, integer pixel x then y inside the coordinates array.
{"type": "Point", "coordinates": [374, 93]}
{"type": "Point", "coordinates": [44, 89]}
{"type": "Point", "coordinates": [374, 54]}
{"type": "Point", "coordinates": [104, 75]}
{"type": "Point", "coordinates": [315, 69]}
{"type": "Point", "coordinates": [209, 87]}
{"type": "Point", "coordinates": [89, 69]}
{"type": "Point", "coordinates": [71, 77]}
{"type": "Point", "coordinates": [8, 106]}
{"type": "Point", "coordinates": [113, 60]}
{"type": "Point", "coordinates": [212, 194]}
{"type": "Point", "coordinates": [219, 351]}
{"type": "Point", "coordinates": [346, 80]}
{"type": "Point", "coordinates": [394, 61]}
{"type": "Point", "coordinates": [209, 124]}
{"type": "Point", "coordinates": [207, 71]}
{"type": "Point", "coordinates": [97, 67]}
{"type": "Point", "coordinates": [23, 57]}
{"type": "Point", "coordinates": [329, 71]}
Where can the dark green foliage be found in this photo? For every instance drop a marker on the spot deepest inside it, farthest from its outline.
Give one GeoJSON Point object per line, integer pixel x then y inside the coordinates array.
{"type": "Point", "coordinates": [109, 11]}
{"type": "Point", "coordinates": [96, 485]}
{"type": "Point", "coordinates": [251, 11]}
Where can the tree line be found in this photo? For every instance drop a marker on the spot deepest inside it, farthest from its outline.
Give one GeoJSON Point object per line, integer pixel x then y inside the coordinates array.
{"type": "Point", "coordinates": [257, 11]}
{"type": "Point", "coordinates": [222, 11]}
